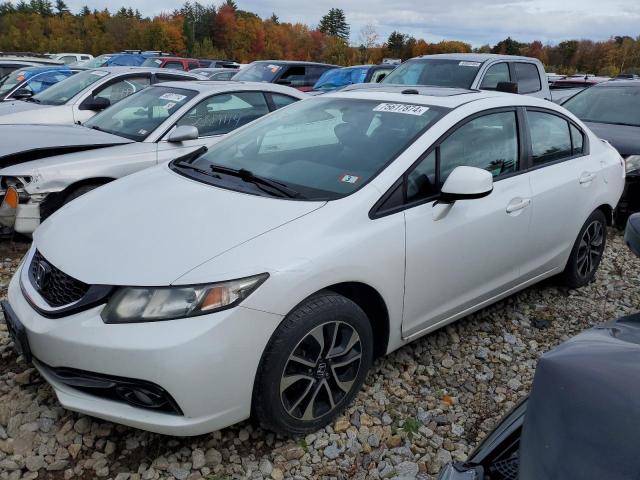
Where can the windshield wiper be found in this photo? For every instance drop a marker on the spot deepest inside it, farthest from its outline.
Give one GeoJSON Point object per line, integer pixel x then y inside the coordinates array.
{"type": "Point", "coordinates": [249, 177]}
{"type": "Point", "coordinates": [185, 162]}
{"type": "Point", "coordinates": [31, 99]}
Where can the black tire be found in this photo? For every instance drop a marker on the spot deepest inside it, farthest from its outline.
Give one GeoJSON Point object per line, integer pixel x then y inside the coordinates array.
{"type": "Point", "coordinates": [79, 191]}
{"type": "Point", "coordinates": [588, 247]}
{"type": "Point", "coordinates": [275, 405]}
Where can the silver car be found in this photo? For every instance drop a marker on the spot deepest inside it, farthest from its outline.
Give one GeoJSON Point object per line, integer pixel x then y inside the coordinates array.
{"type": "Point", "coordinates": [80, 97]}
{"type": "Point", "coordinates": [156, 125]}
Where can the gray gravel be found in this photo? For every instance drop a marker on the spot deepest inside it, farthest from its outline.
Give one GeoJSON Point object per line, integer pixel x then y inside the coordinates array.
{"type": "Point", "coordinates": [428, 403]}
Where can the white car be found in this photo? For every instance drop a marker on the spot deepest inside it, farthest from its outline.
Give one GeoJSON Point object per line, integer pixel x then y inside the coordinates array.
{"type": "Point", "coordinates": [71, 58]}
{"type": "Point", "coordinates": [158, 124]}
{"type": "Point", "coordinates": [264, 276]}
{"type": "Point", "coordinates": [80, 97]}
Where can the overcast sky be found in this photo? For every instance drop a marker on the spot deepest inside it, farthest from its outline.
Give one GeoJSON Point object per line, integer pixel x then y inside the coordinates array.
{"type": "Point", "coordinates": [472, 21]}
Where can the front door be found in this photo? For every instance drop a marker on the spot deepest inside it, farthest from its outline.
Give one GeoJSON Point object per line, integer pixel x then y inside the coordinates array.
{"type": "Point", "coordinates": [461, 255]}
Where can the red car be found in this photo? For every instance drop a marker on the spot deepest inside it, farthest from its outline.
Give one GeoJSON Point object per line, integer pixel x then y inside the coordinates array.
{"type": "Point", "coordinates": [174, 63]}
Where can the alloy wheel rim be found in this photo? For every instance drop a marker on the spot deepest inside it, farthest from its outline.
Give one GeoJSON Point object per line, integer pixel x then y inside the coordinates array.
{"type": "Point", "coordinates": [590, 248]}
{"type": "Point", "coordinates": [321, 370]}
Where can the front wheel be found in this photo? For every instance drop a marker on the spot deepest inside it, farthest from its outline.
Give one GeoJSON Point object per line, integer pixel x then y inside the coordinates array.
{"type": "Point", "coordinates": [587, 252]}
{"type": "Point", "coordinates": [313, 366]}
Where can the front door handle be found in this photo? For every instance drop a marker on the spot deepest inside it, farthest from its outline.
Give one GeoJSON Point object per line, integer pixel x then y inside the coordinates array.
{"type": "Point", "coordinates": [518, 204]}
{"type": "Point", "coordinates": [586, 177]}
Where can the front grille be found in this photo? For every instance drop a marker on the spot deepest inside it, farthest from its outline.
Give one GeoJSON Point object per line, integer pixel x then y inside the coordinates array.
{"type": "Point", "coordinates": [55, 286]}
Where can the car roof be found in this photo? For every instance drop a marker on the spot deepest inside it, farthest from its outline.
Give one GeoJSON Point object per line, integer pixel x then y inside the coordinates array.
{"type": "Point", "coordinates": [171, 57]}
{"type": "Point", "coordinates": [478, 57]}
{"type": "Point", "coordinates": [202, 86]}
{"type": "Point", "coordinates": [296, 62]}
{"type": "Point", "coordinates": [122, 69]}
{"type": "Point", "coordinates": [43, 68]}
{"type": "Point", "coordinates": [433, 96]}
{"type": "Point", "coordinates": [618, 83]}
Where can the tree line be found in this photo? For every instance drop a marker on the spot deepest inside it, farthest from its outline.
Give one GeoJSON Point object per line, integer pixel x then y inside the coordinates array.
{"type": "Point", "coordinates": [226, 31]}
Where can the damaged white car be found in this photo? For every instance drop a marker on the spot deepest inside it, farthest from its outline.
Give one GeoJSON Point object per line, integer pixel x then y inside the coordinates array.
{"type": "Point", "coordinates": [47, 166]}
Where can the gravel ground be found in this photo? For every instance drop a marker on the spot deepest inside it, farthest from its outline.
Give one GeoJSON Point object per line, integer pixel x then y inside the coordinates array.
{"type": "Point", "coordinates": [425, 404]}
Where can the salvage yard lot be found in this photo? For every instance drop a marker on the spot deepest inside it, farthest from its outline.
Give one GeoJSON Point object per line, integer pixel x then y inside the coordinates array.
{"type": "Point", "coordinates": [430, 401]}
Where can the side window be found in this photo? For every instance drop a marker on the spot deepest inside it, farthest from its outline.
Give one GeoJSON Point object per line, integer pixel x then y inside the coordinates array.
{"type": "Point", "coordinates": [225, 112]}
{"type": "Point", "coordinates": [495, 74]}
{"type": "Point", "coordinates": [295, 75]}
{"type": "Point", "coordinates": [528, 77]}
{"type": "Point", "coordinates": [421, 181]}
{"type": "Point", "coordinates": [69, 59]}
{"type": "Point", "coordinates": [280, 100]}
{"type": "Point", "coordinates": [122, 89]}
{"type": "Point", "coordinates": [172, 77]}
{"type": "Point", "coordinates": [577, 141]}
{"type": "Point", "coordinates": [550, 138]}
{"type": "Point", "coordinates": [489, 142]}
{"type": "Point", "coordinates": [313, 74]}
{"type": "Point", "coordinates": [192, 65]}
{"type": "Point", "coordinates": [378, 75]}
{"type": "Point", "coordinates": [174, 65]}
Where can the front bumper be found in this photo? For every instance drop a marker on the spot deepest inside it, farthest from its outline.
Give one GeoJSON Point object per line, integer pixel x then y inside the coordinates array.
{"type": "Point", "coordinates": [25, 218]}
{"type": "Point", "coordinates": [207, 364]}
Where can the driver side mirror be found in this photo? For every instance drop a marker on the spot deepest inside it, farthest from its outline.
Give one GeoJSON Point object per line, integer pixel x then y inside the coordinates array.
{"type": "Point", "coordinates": [381, 77]}
{"type": "Point", "coordinates": [22, 93]}
{"type": "Point", "coordinates": [507, 87]}
{"type": "Point", "coordinates": [95, 103]}
{"type": "Point", "coordinates": [466, 183]}
{"type": "Point", "coordinates": [182, 133]}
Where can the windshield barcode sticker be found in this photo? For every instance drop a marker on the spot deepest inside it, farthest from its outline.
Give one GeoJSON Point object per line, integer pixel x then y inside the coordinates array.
{"type": "Point", "coordinates": [469, 64]}
{"type": "Point", "coordinates": [401, 108]}
{"type": "Point", "coordinates": [173, 97]}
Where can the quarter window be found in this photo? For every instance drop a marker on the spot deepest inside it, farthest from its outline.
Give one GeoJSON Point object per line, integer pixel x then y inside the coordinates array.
{"type": "Point", "coordinates": [282, 100]}
{"type": "Point", "coordinates": [550, 137]}
{"type": "Point", "coordinates": [225, 112]}
{"type": "Point", "coordinates": [577, 141]}
{"type": "Point", "coordinates": [528, 77]}
{"type": "Point", "coordinates": [495, 74]}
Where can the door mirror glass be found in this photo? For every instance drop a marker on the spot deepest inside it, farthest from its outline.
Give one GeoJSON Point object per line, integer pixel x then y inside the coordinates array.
{"type": "Point", "coordinates": [95, 103]}
{"type": "Point", "coordinates": [507, 87]}
{"type": "Point", "coordinates": [466, 183]}
{"type": "Point", "coordinates": [182, 133]}
{"type": "Point", "coordinates": [22, 93]}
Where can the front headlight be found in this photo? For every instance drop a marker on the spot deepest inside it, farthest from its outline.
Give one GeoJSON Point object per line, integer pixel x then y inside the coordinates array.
{"type": "Point", "coordinates": [140, 304]}
{"type": "Point", "coordinates": [632, 163]}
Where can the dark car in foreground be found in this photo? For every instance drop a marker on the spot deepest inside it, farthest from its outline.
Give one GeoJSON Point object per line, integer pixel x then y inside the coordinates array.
{"type": "Point", "coordinates": [300, 75]}
{"type": "Point", "coordinates": [582, 418]}
{"type": "Point", "coordinates": [612, 111]}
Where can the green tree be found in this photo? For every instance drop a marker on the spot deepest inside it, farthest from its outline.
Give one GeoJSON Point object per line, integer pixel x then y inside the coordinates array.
{"type": "Point", "coordinates": [62, 8]}
{"type": "Point", "coordinates": [508, 46]}
{"type": "Point", "coordinates": [396, 43]}
{"type": "Point", "coordinates": [335, 24]}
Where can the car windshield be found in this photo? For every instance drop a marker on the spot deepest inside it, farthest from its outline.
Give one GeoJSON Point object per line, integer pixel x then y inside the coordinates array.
{"type": "Point", "coordinates": [340, 77]}
{"type": "Point", "coordinates": [618, 105]}
{"type": "Point", "coordinates": [435, 72]}
{"type": "Point", "coordinates": [258, 72]}
{"type": "Point", "coordinates": [11, 81]}
{"type": "Point", "coordinates": [63, 91]}
{"type": "Point", "coordinates": [138, 115]}
{"type": "Point", "coordinates": [97, 62]}
{"type": "Point", "coordinates": [322, 148]}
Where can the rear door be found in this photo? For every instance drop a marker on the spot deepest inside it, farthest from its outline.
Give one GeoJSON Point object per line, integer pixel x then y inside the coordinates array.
{"type": "Point", "coordinates": [564, 179]}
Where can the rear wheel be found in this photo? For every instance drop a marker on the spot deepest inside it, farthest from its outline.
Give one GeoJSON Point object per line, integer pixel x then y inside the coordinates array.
{"type": "Point", "coordinates": [314, 365]}
{"type": "Point", "coordinates": [587, 251]}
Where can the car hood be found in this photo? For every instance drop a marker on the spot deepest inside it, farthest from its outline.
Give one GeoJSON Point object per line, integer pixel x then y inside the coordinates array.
{"type": "Point", "coordinates": [18, 111]}
{"type": "Point", "coordinates": [31, 142]}
{"type": "Point", "coordinates": [625, 138]}
{"type": "Point", "coordinates": [150, 228]}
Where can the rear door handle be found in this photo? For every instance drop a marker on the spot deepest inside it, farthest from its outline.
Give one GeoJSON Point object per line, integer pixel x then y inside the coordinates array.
{"type": "Point", "coordinates": [518, 204]}
{"type": "Point", "coordinates": [587, 177]}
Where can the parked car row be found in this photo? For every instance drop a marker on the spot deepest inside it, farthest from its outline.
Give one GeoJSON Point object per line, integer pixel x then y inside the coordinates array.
{"type": "Point", "coordinates": [232, 226]}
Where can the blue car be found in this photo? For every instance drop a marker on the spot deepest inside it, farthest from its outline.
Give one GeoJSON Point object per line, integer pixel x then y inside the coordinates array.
{"type": "Point", "coordinates": [338, 78]}
{"type": "Point", "coordinates": [26, 82]}
{"type": "Point", "coordinates": [119, 59]}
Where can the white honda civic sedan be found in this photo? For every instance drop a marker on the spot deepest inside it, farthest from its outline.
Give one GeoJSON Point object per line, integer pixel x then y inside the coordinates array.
{"type": "Point", "coordinates": [264, 276]}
